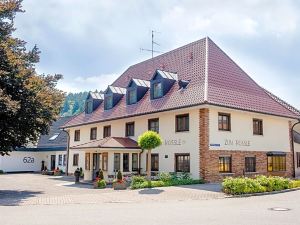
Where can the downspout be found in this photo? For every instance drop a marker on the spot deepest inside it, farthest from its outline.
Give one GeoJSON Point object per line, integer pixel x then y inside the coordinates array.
{"type": "Point", "coordinates": [293, 148]}
{"type": "Point", "coordinates": [68, 151]}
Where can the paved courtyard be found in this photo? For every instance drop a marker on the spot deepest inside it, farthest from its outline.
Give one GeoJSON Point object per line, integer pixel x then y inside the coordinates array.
{"type": "Point", "coordinates": [32, 199]}
{"type": "Point", "coordinates": [36, 189]}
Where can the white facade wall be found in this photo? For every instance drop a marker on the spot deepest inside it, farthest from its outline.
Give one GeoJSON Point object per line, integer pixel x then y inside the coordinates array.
{"type": "Point", "coordinates": [173, 142]}
{"type": "Point", "coordinates": [27, 161]}
{"type": "Point", "coordinates": [275, 132]}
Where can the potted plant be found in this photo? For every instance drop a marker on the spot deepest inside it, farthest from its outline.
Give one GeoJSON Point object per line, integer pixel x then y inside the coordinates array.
{"type": "Point", "coordinates": [57, 172]}
{"type": "Point", "coordinates": [99, 183]}
{"type": "Point", "coordinates": [119, 183]}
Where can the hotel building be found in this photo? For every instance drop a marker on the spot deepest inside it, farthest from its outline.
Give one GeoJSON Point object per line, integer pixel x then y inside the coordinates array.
{"type": "Point", "coordinates": [215, 121]}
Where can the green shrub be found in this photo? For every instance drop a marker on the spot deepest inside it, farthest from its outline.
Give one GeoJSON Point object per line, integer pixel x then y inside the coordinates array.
{"type": "Point", "coordinates": [165, 180]}
{"type": "Point", "coordinates": [237, 186]}
{"type": "Point", "coordinates": [101, 184]}
{"type": "Point", "coordinates": [1, 172]}
{"type": "Point", "coordinates": [101, 176]}
{"type": "Point", "coordinates": [165, 177]}
{"type": "Point", "coordinates": [294, 184]}
{"type": "Point", "coordinates": [138, 179]}
{"type": "Point", "coordinates": [119, 175]}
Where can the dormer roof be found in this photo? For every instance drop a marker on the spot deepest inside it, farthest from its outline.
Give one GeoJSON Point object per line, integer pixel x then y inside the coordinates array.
{"type": "Point", "coordinates": [95, 95]}
{"type": "Point", "coordinates": [139, 83]}
{"type": "Point", "coordinates": [115, 90]}
{"type": "Point", "coordinates": [165, 75]}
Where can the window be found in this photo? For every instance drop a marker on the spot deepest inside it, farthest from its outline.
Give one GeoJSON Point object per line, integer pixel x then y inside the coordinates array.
{"type": "Point", "coordinates": [257, 127]}
{"type": "Point", "coordinates": [93, 134]}
{"type": "Point", "coordinates": [106, 131]}
{"type": "Point", "coordinates": [59, 160]}
{"type": "Point", "coordinates": [65, 160]}
{"type": "Point", "coordinates": [135, 165]}
{"type": "Point", "coordinates": [125, 162]}
{"type": "Point", "coordinates": [182, 162]}
{"type": "Point", "coordinates": [132, 98]}
{"type": "Point", "coordinates": [77, 135]}
{"type": "Point", "coordinates": [153, 124]}
{"type": "Point", "coordinates": [104, 161]}
{"type": "Point", "coordinates": [250, 164]}
{"type": "Point", "coordinates": [224, 122]}
{"type": "Point", "coordinates": [154, 162]}
{"type": "Point", "coordinates": [109, 102]}
{"type": "Point", "coordinates": [116, 161]}
{"type": "Point", "coordinates": [54, 137]}
{"type": "Point", "coordinates": [75, 159]}
{"type": "Point", "coordinates": [276, 163]}
{"type": "Point", "coordinates": [225, 164]}
{"type": "Point", "coordinates": [182, 122]}
{"type": "Point", "coordinates": [157, 90]}
{"type": "Point", "coordinates": [89, 106]}
{"type": "Point", "coordinates": [87, 161]}
{"type": "Point", "coordinates": [129, 129]}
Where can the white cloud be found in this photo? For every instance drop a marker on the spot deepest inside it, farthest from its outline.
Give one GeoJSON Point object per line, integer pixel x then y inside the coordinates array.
{"type": "Point", "coordinates": [89, 83]}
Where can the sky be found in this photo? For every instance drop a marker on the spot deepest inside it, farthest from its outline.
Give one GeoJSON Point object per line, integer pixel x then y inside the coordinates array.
{"type": "Point", "coordinates": [92, 42]}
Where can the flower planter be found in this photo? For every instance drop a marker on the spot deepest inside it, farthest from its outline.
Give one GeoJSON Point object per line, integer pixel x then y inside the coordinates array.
{"type": "Point", "coordinates": [57, 173]}
{"type": "Point", "coordinates": [119, 185]}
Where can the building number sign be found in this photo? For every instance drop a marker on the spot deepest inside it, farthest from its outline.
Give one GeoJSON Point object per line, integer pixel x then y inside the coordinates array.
{"type": "Point", "coordinates": [28, 160]}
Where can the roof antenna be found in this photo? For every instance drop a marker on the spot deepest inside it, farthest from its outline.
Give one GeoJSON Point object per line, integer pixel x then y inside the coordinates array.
{"type": "Point", "coordinates": [152, 44]}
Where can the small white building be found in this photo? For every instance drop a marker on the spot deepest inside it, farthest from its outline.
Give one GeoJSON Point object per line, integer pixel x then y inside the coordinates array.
{"type": "Point", "coordinates": [49, 153]}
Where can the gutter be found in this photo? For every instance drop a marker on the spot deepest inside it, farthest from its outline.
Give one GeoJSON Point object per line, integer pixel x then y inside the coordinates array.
{"type": "Point", "coordinates": [293, 147]}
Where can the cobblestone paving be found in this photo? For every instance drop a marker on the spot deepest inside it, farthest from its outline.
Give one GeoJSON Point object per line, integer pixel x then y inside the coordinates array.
{"type": "Point", "coordinates": [35, 189]}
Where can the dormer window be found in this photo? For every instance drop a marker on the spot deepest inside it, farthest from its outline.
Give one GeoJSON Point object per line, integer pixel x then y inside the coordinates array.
{"type": "Point", "coordinates": [112, 96]}
{"type": "Point", "coordinates": [157, 90]}
{"type": "Point", "coordinates": [93, 100]}
{"type": "Point", "coordinates": [108, 102]}
{"type": "Point", "coordinates": [89, 106]}
{"type": "Point", "coordinates": [135, 90]}
{"type": "Point", "coordinates": [161, 83]}
{"type": "Point", "coordinates": [131, 96]}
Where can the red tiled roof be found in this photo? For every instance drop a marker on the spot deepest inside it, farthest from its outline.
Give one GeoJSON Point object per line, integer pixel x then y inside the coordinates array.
{"type": "Point", "coordinates": [109, 142]}
{"type": "Point", "coordinates": [214, 79]}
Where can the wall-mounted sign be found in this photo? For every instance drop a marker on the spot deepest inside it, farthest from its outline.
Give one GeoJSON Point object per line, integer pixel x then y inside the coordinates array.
{"type": "Point", "coordinates": [237, 142]}
{"type": "Point", "coordinates": [28, 160]}
{"type": "Point", "coordinates": [214, 145]}
{"type": "Point", "coordinates": [174, 142]}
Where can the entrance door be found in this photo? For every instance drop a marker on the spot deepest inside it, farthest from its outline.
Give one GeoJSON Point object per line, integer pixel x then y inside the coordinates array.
{"type": "Point", "coordinates": [96, 164]}
{"type": "Point", "coordinates": [52, 162]}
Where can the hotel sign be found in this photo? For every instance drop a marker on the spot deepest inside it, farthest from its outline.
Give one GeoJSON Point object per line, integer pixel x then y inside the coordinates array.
{"type": "Point", "coordinates": [174, 142]}
{"type": "Point", "coordinates": [231, 142]}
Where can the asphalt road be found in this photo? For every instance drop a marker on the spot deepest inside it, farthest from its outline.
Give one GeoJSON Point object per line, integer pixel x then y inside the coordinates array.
{"type": "Point", "coordinates": [233, 211]}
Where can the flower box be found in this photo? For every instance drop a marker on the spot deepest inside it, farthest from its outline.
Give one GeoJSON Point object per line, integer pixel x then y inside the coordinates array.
{"type": "Point", "coordinates": [119, 185]}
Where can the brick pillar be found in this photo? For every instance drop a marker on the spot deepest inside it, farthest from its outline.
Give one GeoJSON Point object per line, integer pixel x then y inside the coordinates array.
{"type": "Point", "coordinates": [204, 141]}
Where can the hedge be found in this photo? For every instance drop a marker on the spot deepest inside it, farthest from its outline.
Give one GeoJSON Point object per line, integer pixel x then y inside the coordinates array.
{"type": "Point", "coordinates": [245, 185]}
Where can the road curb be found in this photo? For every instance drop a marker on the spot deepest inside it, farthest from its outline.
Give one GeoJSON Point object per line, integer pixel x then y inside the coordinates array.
{"type": "Point", "coordinates": [262, 193]}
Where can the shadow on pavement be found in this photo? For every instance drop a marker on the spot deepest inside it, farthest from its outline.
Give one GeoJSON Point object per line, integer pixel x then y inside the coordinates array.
{"type": "Point", "coordinates": [150, 191]}
{"type": "Point", "coordinates": [14, 197]}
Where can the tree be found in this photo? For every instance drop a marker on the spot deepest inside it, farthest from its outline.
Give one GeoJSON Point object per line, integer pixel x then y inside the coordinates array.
{"type": "Point", "coordinates": [148, 141]}
{"type": "Point", "coordinates": [29, 102]}
{"type": "Point", "coordinates": [75, 108]}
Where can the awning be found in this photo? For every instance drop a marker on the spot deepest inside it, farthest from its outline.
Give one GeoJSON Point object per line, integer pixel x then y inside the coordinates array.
{"type": "Point", "coordinates": [275, 153]}
{"type": "Point", "coordinates": [110, 142]}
